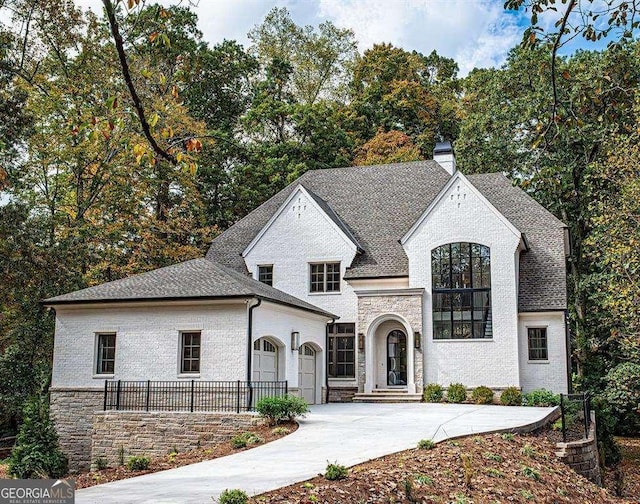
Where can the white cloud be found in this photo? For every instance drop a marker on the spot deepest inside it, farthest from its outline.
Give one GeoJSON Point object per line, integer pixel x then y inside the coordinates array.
{"type": "Point", "coordinates": [473, 32]}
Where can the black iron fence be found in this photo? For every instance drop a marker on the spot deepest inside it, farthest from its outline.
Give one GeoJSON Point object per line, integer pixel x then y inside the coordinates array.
{"type": "Point", "coordinates": [576, 416]}
{"type": "Point", "coordinates": [189, 395]}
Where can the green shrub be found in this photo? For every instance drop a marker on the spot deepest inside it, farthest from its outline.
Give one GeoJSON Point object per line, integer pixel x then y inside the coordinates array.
{"type": "Point", "coordinates": [280, 431]}
{"type": "Point", "coordinates": [335, 472]}
{"type": "Point", "coordinates": [622, 393]}
{"type": "Point", "coordinates": [245, 439]}
{"type": "Point", "coordinates": [234, 496]}
{"type": "Point", "coordinates": [138, 463]}
{"type": "Point", "coordinates": [426, 444]}
{"type": "Point", "coordinates": [482, 395]}
{"type": "Point", "coordinates": [511, 396]}
{"type": "Point", "coordinates": [530, 472]}
{"type": "Point", "coordinates": [37, 453]}
{"type": "Point", "coordinates": [279, 409]}
{"type": "Point", "coordinates": [100, 464]}
{"type": "Point", "coordinates": [605, 428]}
{"type": "Point", "coordinates": [433, 393]}
{"type": "Point", "coordinates": [456, 393]}
{"type": "Point", "coordinates": [540, 397]}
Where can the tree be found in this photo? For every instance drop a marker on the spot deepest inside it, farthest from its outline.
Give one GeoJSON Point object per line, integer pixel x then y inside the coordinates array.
{"type": "Point", "coordinates": [320, 59]}
{"type": "Point", "coordinates": [389, 147]}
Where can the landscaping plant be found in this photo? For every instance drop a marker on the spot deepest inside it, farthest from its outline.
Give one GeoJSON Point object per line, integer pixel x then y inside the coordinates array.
{"type": "Point", "coordinates": [456, 393]}
{"type": "Point", "coordinates": [511, 396]}
{"type": "Point", "coordinates": [37, 453]}
{"type": "Point", "coordinates": [279, 409]}
{"type": "Point", "coordinates": [482, 395]}
{"type": "Point", "coordinates": [433, 393]}
{"type": "Point", "coordinates": [234, 496]}
{"type": "Point", "coordinates": [541, 397]}
{"type": "Point", "coordinates": [138, 463]}
{"type": "Point", "coordinates": [335, 472]}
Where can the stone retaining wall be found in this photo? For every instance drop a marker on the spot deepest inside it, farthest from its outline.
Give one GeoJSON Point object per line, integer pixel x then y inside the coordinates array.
{"type": "Point", "coordinates": [582, 456]}
{"type": "Point", "coordinates": [342, 394]}
{"type": "Point", "coordinates": [72, 412]}
{"type": "Point", "coordinates": [121, 434]}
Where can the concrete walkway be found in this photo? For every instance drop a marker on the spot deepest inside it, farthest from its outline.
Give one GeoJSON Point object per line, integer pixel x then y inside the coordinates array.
{"type": "Point", "coordinates": [346, 433]}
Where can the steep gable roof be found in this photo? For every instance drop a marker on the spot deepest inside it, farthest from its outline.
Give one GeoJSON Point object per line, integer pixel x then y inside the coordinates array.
{"type": "Point", "coordinates": [195, 279]}
{"type": "Point", "coordinates": [379, 204]}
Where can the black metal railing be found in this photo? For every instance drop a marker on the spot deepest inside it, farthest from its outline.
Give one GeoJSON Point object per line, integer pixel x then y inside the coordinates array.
{"type": "Point", "coordinates": [189, 395]}
{"type": "Point", "coordinates": [576, 416]}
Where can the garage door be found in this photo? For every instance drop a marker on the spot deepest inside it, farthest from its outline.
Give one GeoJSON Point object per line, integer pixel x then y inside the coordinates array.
{"type": "Point", "coordinates": [265, 361]}
{"type": "Point", "coordinates": [307, 373]}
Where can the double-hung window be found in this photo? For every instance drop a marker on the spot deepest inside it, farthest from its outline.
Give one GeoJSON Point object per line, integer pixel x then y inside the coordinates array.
{"type": "Point", "coordinates": [106, 353]}
{"type": "Point", "coordinates": [342, 353]}
{"type": "Point", "coordinates": [537, 340]}
{"type": "Point", "coordinates": [324, 277]}
{"type": "Point", "coordinates": [265, 274]}
{"type": "Point", "coordinates": [190, 352]}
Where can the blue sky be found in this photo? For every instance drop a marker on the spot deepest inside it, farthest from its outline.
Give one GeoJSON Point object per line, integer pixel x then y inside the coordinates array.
{"type": "Point", "coordinates": [476, 33]}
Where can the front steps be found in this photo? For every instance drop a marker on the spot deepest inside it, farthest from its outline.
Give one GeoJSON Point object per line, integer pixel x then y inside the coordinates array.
{"type": "Point", "coordinates": [387, 396]}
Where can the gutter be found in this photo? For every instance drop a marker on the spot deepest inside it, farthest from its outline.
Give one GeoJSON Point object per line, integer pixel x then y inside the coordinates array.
{"type": "Point", "coordinates": [567, 335]}
{"type": "Point", "coordinates": [326, 359]}
{"type": "Point", "coordinates": [250, 342]}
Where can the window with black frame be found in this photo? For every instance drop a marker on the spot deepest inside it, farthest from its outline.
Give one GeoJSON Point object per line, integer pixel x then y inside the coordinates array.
{"type": "Point", "coordinates": [537, 342]}
{"type": "Point", "coordinates": [461, 288]}
{"type": "Point", "coordinates": [190, 354]}
{"type": "Point", "coordinates": [341, 350]}
{"type": "Point", "coordinates": [106, 353]}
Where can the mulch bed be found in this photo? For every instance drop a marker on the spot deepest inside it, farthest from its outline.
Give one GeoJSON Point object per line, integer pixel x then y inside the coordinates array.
{"type": "Point", "coordinates": [471, 470]}
{"type": "Point", "coordinates": [92, 478]}
{"type": "Point", "coordinates": [624, 479]}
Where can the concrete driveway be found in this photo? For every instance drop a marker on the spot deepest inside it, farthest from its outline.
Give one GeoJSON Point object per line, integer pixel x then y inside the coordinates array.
{"type": "Point", "coordinates": [346, 433]}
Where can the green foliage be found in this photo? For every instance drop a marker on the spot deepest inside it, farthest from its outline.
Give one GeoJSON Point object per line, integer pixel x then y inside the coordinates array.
{"type": "Point", "coordinates": [531, 473]}
{"type": "Point", "coordinates": [606, 423]}
{"type": "Point", "coordinates": [493, 456]}
{"type": "Point", "coordinates": [456, 393]}
{"type": "Point", "coordinates": [482, 395]}
{"type": "Point", "coordinates": [511, 396]}
{"type": "Point", "coordinates": [279, 409]}
{"type": "Point", "coordinates": [508, 436]}
{"type": "Point", "coordinates": [234, 496]}
{"type": "Point", "coordinates": [622, 394]}
{"type": "Point", "coordinates": [433, 392]}
{"type": "Point", "coordinates": [138, 463]}
{"type": "Point", "coordinates": [426, 444]}
{"type": "Point", "coordinates": [540, 397]}
{"type": "Point", "coordinates": [100, 464]}
{"type": "Point", "coordinates": [423, 479]}
{"type": "Point", "coordinates": [280, 431]}
{"type": "Point", "coordinates": [37, 453]}
{"type": "Point", "coordinates": [335, 472]}
{"type": "Point", "coordinates": [245, 439]}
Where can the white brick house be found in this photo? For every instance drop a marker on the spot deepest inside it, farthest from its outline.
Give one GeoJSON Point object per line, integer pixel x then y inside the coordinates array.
{"type": "Point", "coordinates": [367, 279]}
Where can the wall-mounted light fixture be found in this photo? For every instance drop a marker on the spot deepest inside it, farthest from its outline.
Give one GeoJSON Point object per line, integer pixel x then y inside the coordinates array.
{"type": "Point", "coordinates": [360, 341]}
{"type": "Point", "coordinates": [416, 339]}
{"type": "Point", "coordinates": [295, 341]}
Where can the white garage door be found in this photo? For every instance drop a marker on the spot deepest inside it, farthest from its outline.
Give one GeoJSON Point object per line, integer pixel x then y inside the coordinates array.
{"type": "Point", "coordinates": [265, 361]}
{"type": "Point", "coordinates": [307, 373]}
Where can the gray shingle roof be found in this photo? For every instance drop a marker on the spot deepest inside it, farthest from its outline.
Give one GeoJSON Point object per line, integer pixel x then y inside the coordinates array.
{"type": "Point", "coordinates": [198, 278]}
{"type": "Point", "coordinates": [379, 204]}
{"type": "Point", "coordinates": [543, 280]}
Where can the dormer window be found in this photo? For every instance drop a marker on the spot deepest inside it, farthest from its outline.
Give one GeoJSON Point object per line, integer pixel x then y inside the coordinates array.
{"type": "Point", "coordinates": [461, 282]}
{"type": "Point", "coordinates": [324, 277]}
{"type": "Point", "coordinates": [265, 274]}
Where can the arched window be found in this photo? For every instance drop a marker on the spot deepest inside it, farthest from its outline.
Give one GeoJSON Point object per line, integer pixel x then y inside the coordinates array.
{"type": "Point", "coordinates": [461, 282]}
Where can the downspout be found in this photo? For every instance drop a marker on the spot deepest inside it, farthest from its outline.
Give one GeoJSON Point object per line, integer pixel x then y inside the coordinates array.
{"type": "Point", "coordinates": [567, 335]}
{"type": "Point", "coordinates": [326, 358]}
{"type": "Point", "coordinates": [250, 349]}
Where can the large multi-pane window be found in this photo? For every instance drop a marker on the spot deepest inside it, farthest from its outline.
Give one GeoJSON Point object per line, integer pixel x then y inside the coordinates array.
{"type": "Point", "coordinates": [537, 337]}
{"type": "Point", "coordinates": [324, 277]}
{"type": "Point", "coordinates": [106, 353]}
{"type": "Point", "coordinates": [342, 353]}
{"type": "Point", "coordinates": [190, 353]}
{"type": "Point", "coordinates": [265, 274]}
{"type": "Point", "coordinates": [461, 283]}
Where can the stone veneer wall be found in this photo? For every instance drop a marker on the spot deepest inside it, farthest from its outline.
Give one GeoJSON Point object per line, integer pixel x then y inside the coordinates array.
{"type": "Point", "coordinates": [407, 305]}
{"type": "Point", "coordinates": [582, 456]}
{"type": "Point", "coordinates": [72, 412]}
{"type": "Point", "coordinates": [342, 394]}
{"type": "Point", "coordinates": [156, 433]}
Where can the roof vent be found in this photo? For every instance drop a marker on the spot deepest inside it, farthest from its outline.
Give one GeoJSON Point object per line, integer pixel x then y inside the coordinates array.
{"type": "Point", "coordinates": [443, 155]}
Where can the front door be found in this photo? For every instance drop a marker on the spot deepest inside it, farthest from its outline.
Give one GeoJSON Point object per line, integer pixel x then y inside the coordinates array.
{"type": "Point", "coordinates": [396, 358]}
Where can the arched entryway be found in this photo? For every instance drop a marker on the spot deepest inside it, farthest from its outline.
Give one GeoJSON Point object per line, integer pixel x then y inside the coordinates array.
{"type": "Point", "coordinates": [265, 360]}
{"type": "Point", "coordinates": [396, 358]}
{"type": "Point", "coordinates": [307, 373]}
